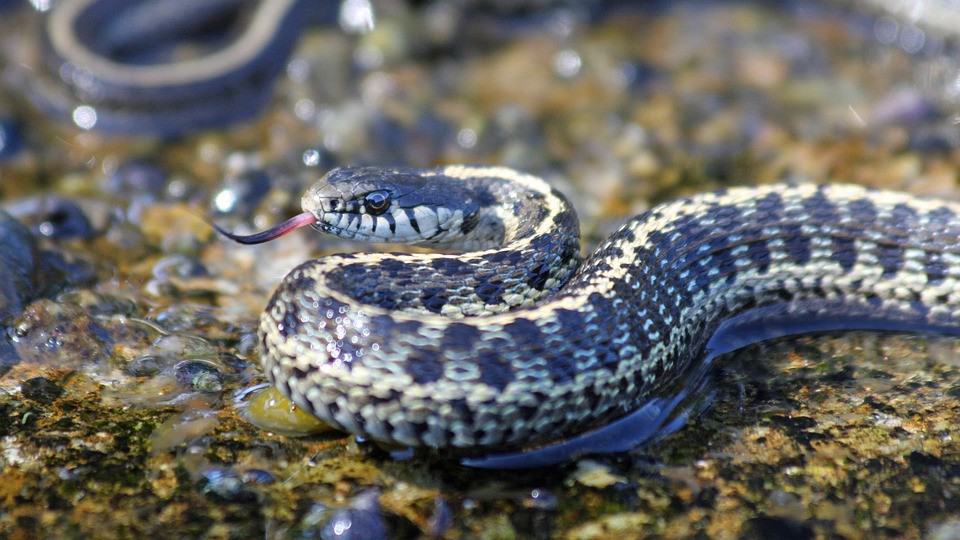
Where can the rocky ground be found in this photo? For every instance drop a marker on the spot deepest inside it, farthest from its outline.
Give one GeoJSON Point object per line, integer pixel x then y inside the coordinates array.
{"type": "Point", "coordinates": [131, 402]}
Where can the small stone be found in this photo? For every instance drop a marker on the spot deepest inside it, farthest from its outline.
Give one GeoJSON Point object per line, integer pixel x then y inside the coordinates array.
{"type": "Point", "coordinates": [226, 485]}
{"type": "Point", "coordinates": [595, 474]}
{"type": "Point", "coordinates": [11, 138]}
{"type": "Point", "coordinates": [268, 409]}
{"type": "Point", "coordinates": [202, 376]}
{"type": "Point", "coordinates": [41, 390]}
{"type": "Point", "coordinates": [257, 476]}
{"type": "Point", "coordinates": [57, 217]}
{"type": "Point", "coordinates": [362, 521]}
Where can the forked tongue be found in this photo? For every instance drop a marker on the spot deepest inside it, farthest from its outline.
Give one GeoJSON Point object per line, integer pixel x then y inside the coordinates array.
{"type": "Point", "coordinates": [290, 225]}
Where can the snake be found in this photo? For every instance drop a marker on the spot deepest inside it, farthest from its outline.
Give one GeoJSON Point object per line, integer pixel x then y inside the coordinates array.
{"type": "Point", "coordinates": [504, 343]}
{"type": "Point", "coordinates": [119, 66]}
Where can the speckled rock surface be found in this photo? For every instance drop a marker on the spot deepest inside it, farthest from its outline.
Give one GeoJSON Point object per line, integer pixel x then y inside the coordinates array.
{"type": "Point", "coordinates": [131, 402]}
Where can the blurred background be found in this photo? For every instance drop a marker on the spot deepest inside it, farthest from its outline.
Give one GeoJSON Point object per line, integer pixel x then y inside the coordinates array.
{"type": "Point", "coordinates": [130, 398]}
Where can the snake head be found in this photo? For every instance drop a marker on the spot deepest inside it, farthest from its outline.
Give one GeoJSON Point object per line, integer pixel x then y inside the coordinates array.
{"type": "Point", "coordinates": [378, 204]}
{"type": "Point", "coordinates": [389, 205]}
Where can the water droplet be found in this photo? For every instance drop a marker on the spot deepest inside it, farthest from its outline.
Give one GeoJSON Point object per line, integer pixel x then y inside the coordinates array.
{"type": "Point", "coordinates": [311, 157]}
{"type": "Point", "coordinates": [357, 16]}
{"type": "Point", "coordinates": [467, 138]}
{"type": "Point", "coordinates": [85, 117]}
{"type": "Point", "coordinates": [567, 63]}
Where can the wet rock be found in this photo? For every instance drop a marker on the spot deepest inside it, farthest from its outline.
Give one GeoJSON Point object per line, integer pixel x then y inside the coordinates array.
{"type": "Point", "coordinates": [59, 334]}
{"type": "Point", "coordinates": [199, 375]}
{"type": "Point", "coordinates": [59, 218]}
{"type": "Point", "coordinates": [41, 390]}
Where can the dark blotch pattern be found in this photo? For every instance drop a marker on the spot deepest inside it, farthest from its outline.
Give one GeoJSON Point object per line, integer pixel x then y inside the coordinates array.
{"type": "Point", "coordinates": [490, 292]}
{"type": "Point", "coordinates": [495, 370]}
{"type": "Point", "coordinates": [434, 298]}
{"type": "Point", "coordinates": [425, 366]}
{"type": "Point", "coordinates": [460, 337]}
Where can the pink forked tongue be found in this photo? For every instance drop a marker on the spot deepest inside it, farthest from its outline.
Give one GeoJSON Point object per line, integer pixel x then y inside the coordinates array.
{"type": "Point", "coordinates": [292, 224]}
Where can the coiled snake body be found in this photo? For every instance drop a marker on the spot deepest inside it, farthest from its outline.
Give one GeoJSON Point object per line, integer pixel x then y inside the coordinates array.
{"type": "Point", "coordinates": [516, 341]}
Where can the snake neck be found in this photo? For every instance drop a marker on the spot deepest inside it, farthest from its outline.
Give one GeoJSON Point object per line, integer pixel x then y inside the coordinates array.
{"type": "Point", "coordinates": [520, 244]}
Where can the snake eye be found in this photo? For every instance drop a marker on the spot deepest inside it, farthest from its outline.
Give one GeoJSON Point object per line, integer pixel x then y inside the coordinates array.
{"type": "Point", "coordinates": [376, 202]}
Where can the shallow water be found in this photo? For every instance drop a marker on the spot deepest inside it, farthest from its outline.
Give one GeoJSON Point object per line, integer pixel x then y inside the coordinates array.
{"type": "Point", "coordinates": [125, 383]}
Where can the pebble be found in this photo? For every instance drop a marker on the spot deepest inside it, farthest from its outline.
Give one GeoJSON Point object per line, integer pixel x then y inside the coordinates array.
{"type": "Point", "coordinates": [360, 521]}
{"type": "Point", "coordinates": [199, 375]}
{"type": "Point", "coordinates": [11, 137]}
{"type": "Point", "coordinates": [269, 410]}
{"type": "Point", "coordinates": [18, 258]}
{"type": "Point", "coordinates": [57, 217]}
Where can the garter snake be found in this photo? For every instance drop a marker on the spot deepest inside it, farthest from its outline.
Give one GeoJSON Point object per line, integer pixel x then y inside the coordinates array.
{"type": "Point", "coordinates": [515, 340]}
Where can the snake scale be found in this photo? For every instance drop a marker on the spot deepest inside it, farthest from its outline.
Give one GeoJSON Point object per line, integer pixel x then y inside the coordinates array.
{"type": "Point", "coordinates": [515, 341]}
